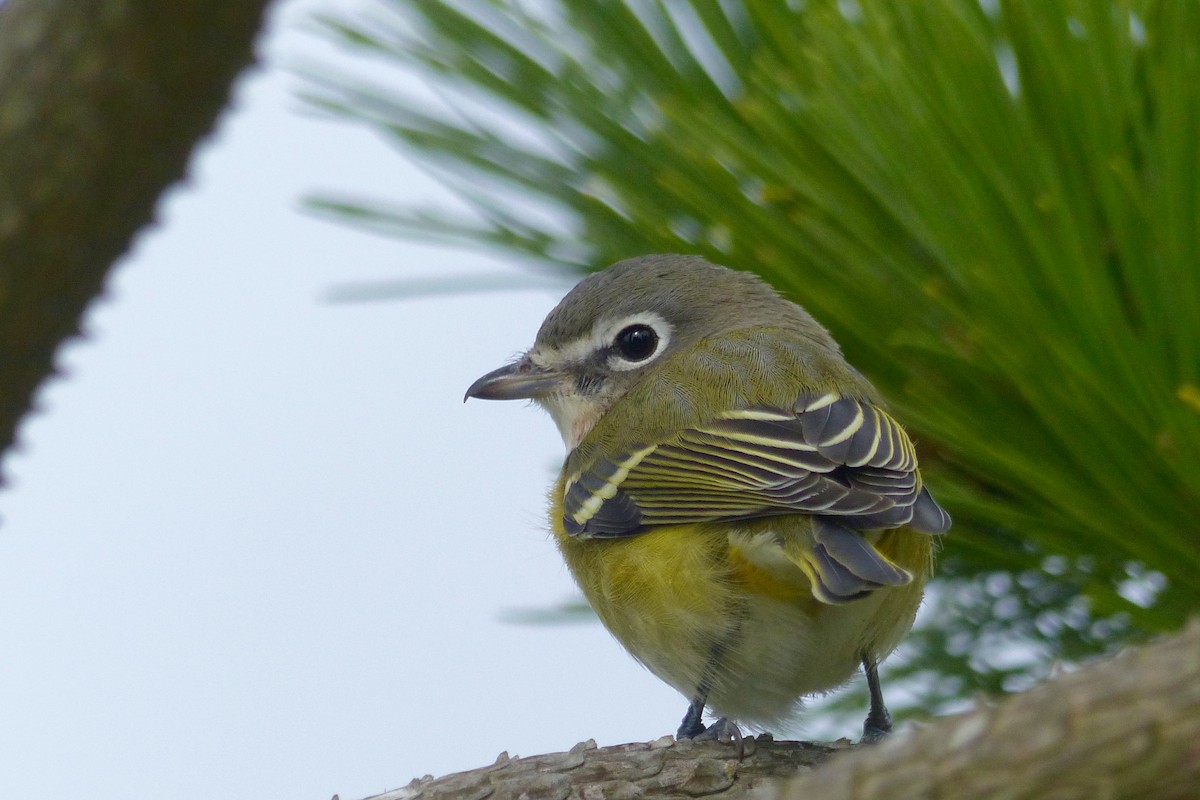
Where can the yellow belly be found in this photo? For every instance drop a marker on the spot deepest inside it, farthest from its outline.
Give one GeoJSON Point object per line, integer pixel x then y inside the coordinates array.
{"type": "Point", "coordinates": [697, 601]}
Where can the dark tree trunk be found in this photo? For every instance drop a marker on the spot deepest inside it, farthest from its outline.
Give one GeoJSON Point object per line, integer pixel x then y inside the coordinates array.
{"type": "Point", "coordinates": [101, 102]}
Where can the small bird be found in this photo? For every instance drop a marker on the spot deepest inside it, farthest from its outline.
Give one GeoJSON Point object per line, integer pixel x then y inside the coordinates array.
{"type": "Point", "coordinates": [736, 504]}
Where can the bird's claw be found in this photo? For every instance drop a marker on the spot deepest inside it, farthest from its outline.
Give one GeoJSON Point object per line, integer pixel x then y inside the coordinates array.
{"type": "Point", "coordinates": [722, 730]}
{"type": "Point", "coordinates": [877, 727]}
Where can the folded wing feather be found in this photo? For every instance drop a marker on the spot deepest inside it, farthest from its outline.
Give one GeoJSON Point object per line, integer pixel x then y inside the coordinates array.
{"type": "Point", "coordinates": [840, 460]}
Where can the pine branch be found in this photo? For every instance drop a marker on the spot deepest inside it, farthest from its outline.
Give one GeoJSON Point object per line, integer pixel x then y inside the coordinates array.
{"type": "Point", "coordinates": [101, 102]}
{"type": "Point", "coordinates": [1127, 727]}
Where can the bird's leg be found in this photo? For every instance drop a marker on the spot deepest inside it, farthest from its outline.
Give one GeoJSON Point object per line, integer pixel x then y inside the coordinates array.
{"type": "Point", "coordinates": [722, 730]}
{"type": "Point", "coordinates": [879, 722]}
{"type": "Point", "coordinates": [692, 725]}
{"type": "Point", "coordinates": [693, 722]}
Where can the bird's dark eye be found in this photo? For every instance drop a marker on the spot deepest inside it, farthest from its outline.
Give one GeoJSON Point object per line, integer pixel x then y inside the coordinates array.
{"type": "Point", "coordinates": [637, 342]}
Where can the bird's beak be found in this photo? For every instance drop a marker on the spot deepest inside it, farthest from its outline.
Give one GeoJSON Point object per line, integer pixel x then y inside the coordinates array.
{"type": "Point", "coordinates": [520, 380]}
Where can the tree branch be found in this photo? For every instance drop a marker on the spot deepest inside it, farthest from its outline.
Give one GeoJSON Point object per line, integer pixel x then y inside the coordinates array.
{"type": "Point", "coordinates": [101, 102]}
{"type": "Point", "coordinates": [663, 768]}
{"type": "Point", "coordinates": [1128, 727]}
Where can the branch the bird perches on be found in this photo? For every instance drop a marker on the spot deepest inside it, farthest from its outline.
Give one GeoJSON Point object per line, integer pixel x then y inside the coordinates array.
{"type": "Point", "coordinates": [1126, 727]}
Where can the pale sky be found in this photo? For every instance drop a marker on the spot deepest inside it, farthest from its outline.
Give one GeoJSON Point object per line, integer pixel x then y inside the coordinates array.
{"type": "Point", "coordinates": [254, 545]}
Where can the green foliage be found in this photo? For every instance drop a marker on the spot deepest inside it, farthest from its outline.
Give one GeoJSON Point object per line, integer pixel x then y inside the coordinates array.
{"type": "Point", "coordinates": [994, 206]}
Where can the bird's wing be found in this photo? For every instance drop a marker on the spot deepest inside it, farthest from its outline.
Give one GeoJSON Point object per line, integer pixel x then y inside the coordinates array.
{"type": "Point", "coordinates": [841, 460]}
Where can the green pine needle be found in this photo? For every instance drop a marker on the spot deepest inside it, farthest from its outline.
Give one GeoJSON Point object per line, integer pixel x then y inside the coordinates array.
{"type": "Point", "coordinates": [994, 206]}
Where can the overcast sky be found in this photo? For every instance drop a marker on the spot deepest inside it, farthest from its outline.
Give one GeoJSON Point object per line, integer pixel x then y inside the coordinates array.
{"type": "Point", "coordinates": [253, 544]}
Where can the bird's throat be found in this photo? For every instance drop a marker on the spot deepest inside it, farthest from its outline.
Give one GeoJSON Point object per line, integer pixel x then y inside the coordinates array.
{"type": "Point", "coordinates": [575, 415]}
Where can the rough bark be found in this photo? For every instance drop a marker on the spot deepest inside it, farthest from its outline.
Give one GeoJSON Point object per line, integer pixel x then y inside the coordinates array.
{"type": "Point", "coordinates": [664, 768]}
{"type": "Point", "coordinates": [1128, 727]}
{"type": "Point", "coordinates": [101, 102]}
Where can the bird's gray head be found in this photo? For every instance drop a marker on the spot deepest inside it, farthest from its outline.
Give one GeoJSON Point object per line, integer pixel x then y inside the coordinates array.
{"type": "Point", "coordinates": [617, 324]}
